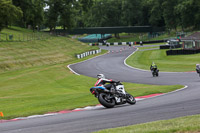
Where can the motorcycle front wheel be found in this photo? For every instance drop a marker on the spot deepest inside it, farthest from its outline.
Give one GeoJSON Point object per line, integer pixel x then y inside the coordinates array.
{"type": "Point", "coordinates": [130, 99]}
{"type": "Point", "coordinates": [106, 101]}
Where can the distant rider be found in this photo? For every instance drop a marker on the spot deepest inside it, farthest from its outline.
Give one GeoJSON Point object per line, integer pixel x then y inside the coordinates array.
{"type": "Point", "coordinates": [153, 67]}
{"type": "Point", "coordinates": [102, 82]}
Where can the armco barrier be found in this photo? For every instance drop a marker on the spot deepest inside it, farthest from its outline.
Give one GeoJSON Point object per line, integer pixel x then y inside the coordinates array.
{"type": "Point", "coordinates": [79, 56]}
{"type": "Point", "coordinates": [126, 43]}
{"type": "Point", "coordinates": [183, 52]}
{"type": "Point", "coordinates": [170, 47]}
{"type": "Point", "coordinates": [164, 47]}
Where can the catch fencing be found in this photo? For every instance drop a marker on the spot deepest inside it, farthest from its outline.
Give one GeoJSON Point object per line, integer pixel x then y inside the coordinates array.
{"type": "Point", "coordinates": [22, 37]}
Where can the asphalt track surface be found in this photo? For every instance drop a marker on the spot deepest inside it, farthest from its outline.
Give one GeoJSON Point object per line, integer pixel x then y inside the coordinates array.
{"type": "Point", "coordinates": [180, 103]}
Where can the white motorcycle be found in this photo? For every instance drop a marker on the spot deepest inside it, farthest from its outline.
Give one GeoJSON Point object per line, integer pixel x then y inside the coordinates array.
{"type": "Point", "coordinates": [115, 96]}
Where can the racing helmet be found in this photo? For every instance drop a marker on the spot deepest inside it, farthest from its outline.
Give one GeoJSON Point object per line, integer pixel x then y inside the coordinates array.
{"type": "Point", "coordinates": [100, 76]}
{"type": "Point", "coordinates": [153, 64]}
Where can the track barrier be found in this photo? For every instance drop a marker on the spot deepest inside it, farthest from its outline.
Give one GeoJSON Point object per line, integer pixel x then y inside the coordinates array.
{"type": "Point", "coordinates": [85, 54]}
{"type": "Point", "coordinates": [126, 43]}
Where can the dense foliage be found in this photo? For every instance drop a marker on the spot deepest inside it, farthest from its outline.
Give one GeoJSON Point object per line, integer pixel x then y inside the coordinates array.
{"type": "Point", "coordinates": [100, 13]}
{"type": "Point", "coordinates": [8, 13]}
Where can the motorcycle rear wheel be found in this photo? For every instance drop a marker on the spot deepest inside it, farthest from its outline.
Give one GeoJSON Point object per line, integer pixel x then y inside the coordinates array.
{"type": "Point", "coordinates": [103, 99]}
{"type": "Point", "coordinates": [130, 99]}
{"type": "Point", "coordinates": [157, 74]}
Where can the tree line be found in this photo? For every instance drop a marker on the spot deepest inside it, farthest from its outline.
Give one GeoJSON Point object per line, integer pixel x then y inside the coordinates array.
{"type": "Point", "coordinates": [100, 13]}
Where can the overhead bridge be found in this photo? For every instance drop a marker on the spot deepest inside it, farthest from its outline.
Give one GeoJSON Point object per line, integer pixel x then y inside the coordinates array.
{"type": "Point", "coordinates": [112, 30]}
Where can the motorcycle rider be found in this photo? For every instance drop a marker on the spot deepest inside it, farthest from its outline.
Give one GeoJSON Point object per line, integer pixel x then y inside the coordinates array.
{"type": "Point", "coordinates": [102, 82]}
{"type": "Point", "coordinates": [153, 67]}
{"type": "Point", "coordinates": [198, 68]}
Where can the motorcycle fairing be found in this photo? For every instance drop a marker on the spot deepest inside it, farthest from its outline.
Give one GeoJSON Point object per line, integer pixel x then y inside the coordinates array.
{"type": "Point", "coordinates": [98, 87]}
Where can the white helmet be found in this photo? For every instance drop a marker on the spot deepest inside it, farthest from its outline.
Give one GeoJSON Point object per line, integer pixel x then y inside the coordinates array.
{"type": "Point", "coordinates": [100, 76]}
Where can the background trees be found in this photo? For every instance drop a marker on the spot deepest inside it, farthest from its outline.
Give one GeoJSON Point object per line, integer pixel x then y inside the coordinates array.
{"type": "Point", "coordinates": [8, 13]}
{"type": "Point", "coordinates": [100, 13]}
{"type": "Point", "coordinates": [104, 13]}
{"type": "Point", "coordinates": [33, 13]}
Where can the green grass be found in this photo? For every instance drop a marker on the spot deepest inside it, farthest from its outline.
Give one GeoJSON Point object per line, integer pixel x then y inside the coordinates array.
{"type": "Point", "coordinates": [189, 124]}
{"type": "Point", "coordinates": [41, 90]}
{"type": "Point", "coordinates": [143, 48]}
{"type": "Point", "coordinates": [176, 63]}
{"type": "Point", "coordinates": [34, 78]}
{"type": "Point", "coordinates": [54, 50]}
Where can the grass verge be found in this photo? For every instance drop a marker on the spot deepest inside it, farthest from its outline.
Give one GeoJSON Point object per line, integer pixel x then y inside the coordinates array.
{"type": "Point", "coordinates": [188, 124]}
{"type": "Point", "coordinates": [54, 50]}
{"type": "Point", "coordinates": [151, 47]}
{"type": "Point", "coordinates": [175, 63]}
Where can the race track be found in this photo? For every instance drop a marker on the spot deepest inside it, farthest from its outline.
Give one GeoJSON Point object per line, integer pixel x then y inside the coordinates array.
{"type": "Point", "coordinates": [180, 103]}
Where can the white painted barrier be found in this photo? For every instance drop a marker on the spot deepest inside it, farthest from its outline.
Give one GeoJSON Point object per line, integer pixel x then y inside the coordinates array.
{"type": "Point", "coordinates": [88, 53]}
{"type": "Point", "coordinates": [115, 43]}
{"type": "Point", "coordinates": [123, 43]}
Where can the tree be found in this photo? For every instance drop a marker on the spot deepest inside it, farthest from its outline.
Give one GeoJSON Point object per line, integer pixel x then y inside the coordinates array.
{"type": "Point", "coordinates": [8, 13]}
{"type": "Point", "coordinates": [104, 13]}
{"type": "Point", "coordinates": [132, 12]}
{"type": "Point", "coordinates": [26, 6]}
{"type": "Point", "coordinates": [197, 14]}
{"type": "Point", "coordinates": [33, 12]}
{"type": "Point", "coordinates": [86, 4]}
{"type": "Point", "coordinates": [188, 11]}
{"type": "Point", "coordinates": [156, 13]}
{"type": "Point", "coordinates": [68, 13]}
{"type": "Point", "coordinates": [52, 13]}
{"type": "Point", "coordinates": [169, 14]}
{"type": "Point", "coordinates": [145, 13]}
{"type": "Point", "coordinates": [82, 8]}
